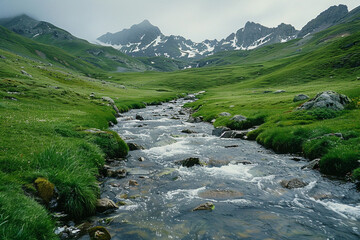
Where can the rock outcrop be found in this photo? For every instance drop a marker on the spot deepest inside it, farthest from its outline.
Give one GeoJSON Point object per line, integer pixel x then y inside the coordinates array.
{"type": "Point", "coordinates": [328, 100]}
{"type": "Point", "coordinates": [189, 162]}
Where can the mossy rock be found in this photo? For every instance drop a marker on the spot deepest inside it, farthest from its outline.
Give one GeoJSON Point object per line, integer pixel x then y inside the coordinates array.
{"type": "Point", "coordinates": [45, 189]}
{"type": "Point", "coordinates": [99, 233]}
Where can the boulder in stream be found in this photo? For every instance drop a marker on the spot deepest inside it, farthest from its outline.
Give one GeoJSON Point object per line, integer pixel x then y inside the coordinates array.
{"type": "Point", "coordinates": [99, 233]}
{"type": "Point", "coordinates": [314, 164]}
{"type": "Point", "coordinates": [139, 117]}
{"type": "Point", "coordinates": [219, 130]}
{"type": "Point", "coordinates": [189, 162]}
{"type": "Point", "coordinates": [105, 204]}
{"type": "Point", "coordinates": [205, 206]}
{"type": "Point", "coordinates": [293, 183]}
{"type": "Point", "coordinates": [188, 131]}
{"type": "Point", "coordinates": [134, 147]}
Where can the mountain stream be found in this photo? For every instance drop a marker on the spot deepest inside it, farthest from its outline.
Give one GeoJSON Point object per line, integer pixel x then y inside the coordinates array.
{"type": "Point", "coordinates": [241, 178]}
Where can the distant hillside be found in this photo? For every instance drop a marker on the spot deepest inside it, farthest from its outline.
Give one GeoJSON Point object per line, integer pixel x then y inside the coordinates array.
{"type": "Point", "coordinates": [102, 57]}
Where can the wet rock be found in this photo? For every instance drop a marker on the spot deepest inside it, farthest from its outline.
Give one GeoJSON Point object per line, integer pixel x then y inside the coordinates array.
{"type": "Point", "coordinates": [300, 97]}
{"type": "Point", "coordinates": [182, 113]}
{"type": "Point", "coordinates": [141, 159]}
{"type": "Point", "coordinates": [25, 73]}
{"type": "Point", "coordinates": [99, 233]}
{"type": "Point", "coordinates": [219, 131]}
{"type": "Point", "coordinates": [293, 183]}
{"type": "Point", "coordinates": [188, 131]}
{"type": "Point", "coordinates": [105, 204]}
{"type": "Point", "coordinates": [134, 147]}
{"type": "Point", "coordinates": [314, 164]}
{"type": "Point", "coordinates": [119, 173]}
{"type": "Point", "coordinates": [45, 189]}
{"type": "Point", "coordinates": [195, 120]}
{"type": "Point", "coordinates": [225, 114]}
{"type": "Point", "coordinates": [234, 134]}
{"type": "Point", "coordinates": [133, 183]}
{"type": "Point", "coordinates": [329, 100]}
{"type": "Point", "coordinates": [244, 162]}
{"type": "Point", "coordinates": [189, 162]}
{"type": "Point", "coordinates": [279, 91]}
{"type": "Point", "coordinates": [205, 206]}
{"type": "Point", "coordinates": [239, 118]}
{"type": "Point", "coordinates": [139, 117]}
{"type": "Point", "coordinates": [66, 232]}
{"type": "Point", "coordinates": [232, 146]}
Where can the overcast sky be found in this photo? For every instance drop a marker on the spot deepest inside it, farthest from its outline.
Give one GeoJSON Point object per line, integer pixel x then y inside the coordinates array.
{"type": "Point", "coordinates": [194, 19]}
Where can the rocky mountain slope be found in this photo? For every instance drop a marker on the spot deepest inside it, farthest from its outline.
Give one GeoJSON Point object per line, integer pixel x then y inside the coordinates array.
{"type": "Point", "coordinates": [146, 40]}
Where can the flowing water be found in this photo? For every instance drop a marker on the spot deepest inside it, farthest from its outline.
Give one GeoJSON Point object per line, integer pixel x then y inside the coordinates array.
{"type": "Point", "coordinates": [249, 201]}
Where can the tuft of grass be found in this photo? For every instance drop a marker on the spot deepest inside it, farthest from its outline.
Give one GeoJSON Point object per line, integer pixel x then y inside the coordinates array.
{"type": "Point", "coordinates": [20, 216]}
{"type": "Point", "coordinates": [73, 175]}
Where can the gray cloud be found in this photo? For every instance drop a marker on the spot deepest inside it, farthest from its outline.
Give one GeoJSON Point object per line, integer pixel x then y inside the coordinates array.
{"type": "Point", "coordinates": [194, 19]}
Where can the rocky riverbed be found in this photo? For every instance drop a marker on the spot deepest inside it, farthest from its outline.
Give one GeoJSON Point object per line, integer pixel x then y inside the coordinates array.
{"type": "Point", "coordinates": [233, 188]}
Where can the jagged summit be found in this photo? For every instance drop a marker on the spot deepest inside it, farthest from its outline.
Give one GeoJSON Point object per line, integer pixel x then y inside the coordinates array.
{"type": "Point", "coordinates": [144, 39]}
{"type": "Point", "coordinates": [324, 20]}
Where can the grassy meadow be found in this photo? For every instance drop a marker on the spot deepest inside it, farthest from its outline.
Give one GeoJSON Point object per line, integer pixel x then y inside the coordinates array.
{"type": "Point", "coordinates": [44, 116]}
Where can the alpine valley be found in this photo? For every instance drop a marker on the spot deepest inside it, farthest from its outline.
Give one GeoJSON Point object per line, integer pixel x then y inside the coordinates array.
{"type": "Point", "coordinates": [146, 136]}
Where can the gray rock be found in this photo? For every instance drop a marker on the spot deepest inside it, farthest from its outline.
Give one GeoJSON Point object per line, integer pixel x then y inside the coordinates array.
{"type": "Point", "coordinates": [188, 131]}
{"type": "Point", "coordinates": [239, 118]}
{"type": "Point", "coordinates": [219, 131]}
{"type": "Point", "coordinates": [109, 100]}
{"type": "Point", "coordinates": [105, 204]}
{"type": "Point", "coordinates": [2, 57]}
{"type": "Point", "coordinates": [141, 159]}
{"type": "Point", "coordinates": [330, 100]}
{"type": "Point", "coordinates": [189, 162]}
{"type": "Point", "coordinates": [267, 91]}
{"type": "Point", "coordinates": [279, 91]}
{"type": "Point", "coordinates": [224, 114]}
{"type": "Point", "coordinates": [293, 183]}
{"type": "Point", "coordinates": [119, 173]}
{"type": "Point", "coordinates": [25, 73]}
{"type": "Point", "coordinates": [314, 164]}
{"type": "Point", "coordinates": [234, 134]}
{"type": "Point", "coordinates": [134, 147]}
{"type": "Point", "coordinates": [205, 206]}
{"type": "Point", "coordinates": [300, 97]}
{"type": "Point", "coordinates": [195, 120]}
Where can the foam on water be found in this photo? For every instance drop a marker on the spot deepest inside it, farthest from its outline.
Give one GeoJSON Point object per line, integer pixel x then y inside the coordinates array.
{"type": "Point", "coordinates": [344, 210]}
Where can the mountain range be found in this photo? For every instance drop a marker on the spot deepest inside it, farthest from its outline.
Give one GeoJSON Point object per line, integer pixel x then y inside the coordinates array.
{"type": "Point", "coordinates": [146, 40]}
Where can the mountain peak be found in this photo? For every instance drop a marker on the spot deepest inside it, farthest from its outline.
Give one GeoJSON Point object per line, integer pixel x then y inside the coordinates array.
{"type": "Point", "coordinates": [145, 23]}
{"type": "Point", "coordinates": [324, 20]}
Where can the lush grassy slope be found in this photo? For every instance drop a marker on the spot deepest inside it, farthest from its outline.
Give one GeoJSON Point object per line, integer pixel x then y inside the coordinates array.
{"type": "Point", "coordinates": [42, 121]}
